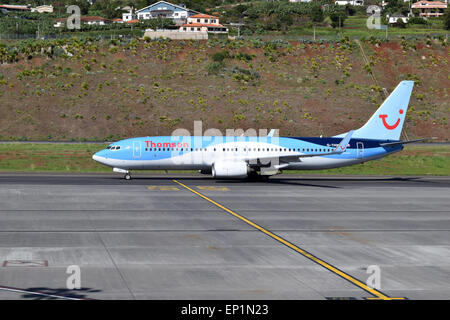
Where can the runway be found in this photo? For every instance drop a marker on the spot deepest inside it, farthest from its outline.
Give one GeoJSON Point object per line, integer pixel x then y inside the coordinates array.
{"type": "Point", "coordinates": [191, 237]}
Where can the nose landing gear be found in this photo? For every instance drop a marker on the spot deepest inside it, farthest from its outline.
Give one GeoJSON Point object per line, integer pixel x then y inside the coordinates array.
{"type": "Point", "coordinates": [127, 175]}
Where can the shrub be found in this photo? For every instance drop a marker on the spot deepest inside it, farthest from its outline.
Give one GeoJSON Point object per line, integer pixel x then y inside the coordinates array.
{"type": "Point", "coordinates": [215, 67]}
{"type": "Point", "coordinates": [220, 56]}
{"type": "Point", "coordinates": [417, 20]}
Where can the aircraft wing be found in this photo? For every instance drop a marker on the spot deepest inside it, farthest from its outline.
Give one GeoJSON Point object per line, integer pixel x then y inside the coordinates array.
{"type": "Point", "coordinates": [341, 148]}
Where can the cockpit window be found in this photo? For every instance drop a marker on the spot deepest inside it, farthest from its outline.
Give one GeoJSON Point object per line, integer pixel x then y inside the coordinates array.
{"type": "Point", "coordinates": [113, 148]}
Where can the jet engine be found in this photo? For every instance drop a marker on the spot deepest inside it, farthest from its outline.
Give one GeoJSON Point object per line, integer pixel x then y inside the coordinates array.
{"type": "Point", "coordinates": [230, 169]}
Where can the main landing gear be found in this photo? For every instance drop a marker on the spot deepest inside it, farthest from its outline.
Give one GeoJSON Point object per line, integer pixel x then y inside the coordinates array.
{"type": "Point", "coordinates": [127, 176]}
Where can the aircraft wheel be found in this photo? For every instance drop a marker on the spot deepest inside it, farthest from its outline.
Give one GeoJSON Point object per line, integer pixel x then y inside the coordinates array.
{"type": "Point", "coordinates": [127, 176]}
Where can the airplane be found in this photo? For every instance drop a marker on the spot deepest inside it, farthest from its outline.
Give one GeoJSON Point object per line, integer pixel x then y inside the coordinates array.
{"type": "Point", "coordinates": [243, 157]}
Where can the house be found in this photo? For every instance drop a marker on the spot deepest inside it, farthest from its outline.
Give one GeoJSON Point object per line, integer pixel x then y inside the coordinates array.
{"type": "Point", "coordinates": [393, 19]}
{"type": "Point", "coordinates": [118, 20]}
{"type": "Point", "coordinates": [129, 15]}
{"type": "Point", "coordinates": [95, 20]}
{"type": "Point", "coordinates": [43, 9]}
{"type": "Point", "coordinates": [349, 2]}
{"type": "Point", "coordinates": [203, 23]}
{"type": "Point", "coordinates": [162, 9]}
{"type": "Point", "coordinates": [428, 9]}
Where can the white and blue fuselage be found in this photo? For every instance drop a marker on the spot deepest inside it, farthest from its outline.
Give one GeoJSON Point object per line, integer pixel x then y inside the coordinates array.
{"type": "Point", "coordinates": [200, 153]}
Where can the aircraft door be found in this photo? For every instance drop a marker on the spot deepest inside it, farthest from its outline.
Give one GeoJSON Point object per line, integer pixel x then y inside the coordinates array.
{"type": "Point", "coordinates": [360, 150]}
{"type": "Point", "coordinates": [137, 150]}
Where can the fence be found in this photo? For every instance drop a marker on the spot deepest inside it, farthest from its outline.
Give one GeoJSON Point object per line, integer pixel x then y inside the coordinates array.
{"type": "Point", "coordinates": [176, 35]}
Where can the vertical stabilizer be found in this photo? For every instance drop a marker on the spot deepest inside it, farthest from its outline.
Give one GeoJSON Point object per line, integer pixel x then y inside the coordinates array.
{"type": "Point", "coordinates": [387, 122]}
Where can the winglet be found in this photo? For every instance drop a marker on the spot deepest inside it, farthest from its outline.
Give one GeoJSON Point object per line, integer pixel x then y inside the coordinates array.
{"type": "Point", "coordinates": [342, 146]}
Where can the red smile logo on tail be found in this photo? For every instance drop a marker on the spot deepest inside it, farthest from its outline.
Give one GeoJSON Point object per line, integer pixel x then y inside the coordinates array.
{"type": "Point", "coordinates": [388, 126]}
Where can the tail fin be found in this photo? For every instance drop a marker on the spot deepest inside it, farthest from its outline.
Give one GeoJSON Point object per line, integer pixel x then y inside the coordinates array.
{"type": "Point", "coordinates": [387, 121]}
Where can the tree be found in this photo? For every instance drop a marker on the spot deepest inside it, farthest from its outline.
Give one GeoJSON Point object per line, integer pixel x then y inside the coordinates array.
{"type": "Point", "coordinates": [337, 17]}
{"type": "Point", "coordinates": [83, 4]}
{"type": "Point", "coordinates": [107, 8]}
{"type": "Point", "coordinates": [447, 19]}
{"type": "Point", "coordinates": [316, 14]}
{"type": "Point", "coordinates": [400, 23]}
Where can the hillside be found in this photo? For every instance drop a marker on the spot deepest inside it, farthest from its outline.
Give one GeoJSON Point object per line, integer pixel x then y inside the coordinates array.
{"type": "Point", "coordinates": [105, 90]}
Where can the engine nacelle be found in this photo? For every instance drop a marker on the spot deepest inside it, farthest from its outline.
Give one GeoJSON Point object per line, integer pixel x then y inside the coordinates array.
{"type": "Point", "coordinates": [230, 169]}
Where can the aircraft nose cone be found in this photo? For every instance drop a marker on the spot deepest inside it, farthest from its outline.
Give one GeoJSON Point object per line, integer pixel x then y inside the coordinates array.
{"type": "Point", "coordinates": [99, 156]}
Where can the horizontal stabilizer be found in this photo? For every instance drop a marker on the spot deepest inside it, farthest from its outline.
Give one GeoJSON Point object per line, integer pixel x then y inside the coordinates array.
{"type": "Point", "coordinates": [396, 143]}
{"type": "Point", "coordinates": [344, 143]}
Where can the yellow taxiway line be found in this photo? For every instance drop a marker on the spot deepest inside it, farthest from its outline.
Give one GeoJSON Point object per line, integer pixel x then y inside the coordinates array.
{"type": "Point", "coordinates": [376, 293]}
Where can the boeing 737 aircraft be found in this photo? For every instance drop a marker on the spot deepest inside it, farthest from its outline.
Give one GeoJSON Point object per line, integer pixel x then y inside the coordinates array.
{"type": "Point", "coordinates": [241, 157]}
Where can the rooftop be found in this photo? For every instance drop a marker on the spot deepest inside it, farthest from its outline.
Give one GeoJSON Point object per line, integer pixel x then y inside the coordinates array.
{"type": "Point", "coordinates": [202, 25]}
{"type": "Point", "coordinates": [203, 16]}
{"type": "Point", "coordinates": [429, 4]}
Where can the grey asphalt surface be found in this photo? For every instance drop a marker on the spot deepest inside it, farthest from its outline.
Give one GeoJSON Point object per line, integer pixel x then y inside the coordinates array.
{"type": "Point", "coordinates": [150, 238]}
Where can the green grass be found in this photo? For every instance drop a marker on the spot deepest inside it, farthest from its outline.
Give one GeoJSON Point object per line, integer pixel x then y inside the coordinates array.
{"type": "Point", "coordinates": [32, 157]}
{"type": "Point", "coordinates": [355, 27]}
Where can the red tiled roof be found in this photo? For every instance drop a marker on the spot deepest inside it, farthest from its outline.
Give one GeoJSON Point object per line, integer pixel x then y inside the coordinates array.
{"type": "Point", "coordinates": [429, 4]}
{"type": "Point", "coordinates": [11, 6]}
{"type": "Point", "coordinates": [133, 21]}
{"type": "Point", "coordinates": [202, 25]}
{"type": "Point", "coordinates": [84, 19]}
{"type": "Point", "coordinates": [94, 18]}
{"type": "Point", "coordinates": [203, 16]}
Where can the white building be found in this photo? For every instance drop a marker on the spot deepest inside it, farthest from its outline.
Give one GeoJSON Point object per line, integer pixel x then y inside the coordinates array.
{"type": "Point", "coordinates": [43, 8]}
{"type": "Point", "coordinates": [203, 23]}
{"type": "Point", "coordinates": [427, 9]}
{"type": "Point", "coordinates": [349, 2]}
{"type": "Point", "coordinates": [100, 21]}
{"type": "Point", "coordinates": [393, 19]}
{"type": "Point", "coordinates": [161, 9]}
